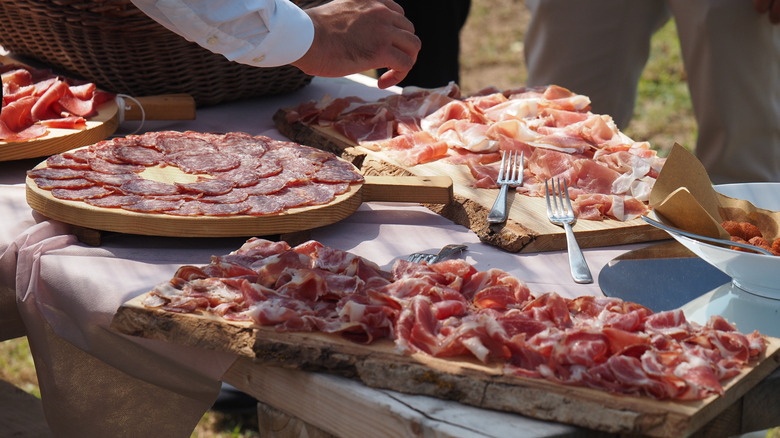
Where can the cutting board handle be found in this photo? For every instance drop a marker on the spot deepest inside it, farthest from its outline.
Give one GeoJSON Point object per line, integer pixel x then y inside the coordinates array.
{"type": "Point", "coordinates": [162, 107]}
{"type": "Point", "coordinates": [418, 189]}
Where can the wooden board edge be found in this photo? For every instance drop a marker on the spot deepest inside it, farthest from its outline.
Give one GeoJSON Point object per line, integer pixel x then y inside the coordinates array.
{"type": "Point", "coordinates": [441, 377]}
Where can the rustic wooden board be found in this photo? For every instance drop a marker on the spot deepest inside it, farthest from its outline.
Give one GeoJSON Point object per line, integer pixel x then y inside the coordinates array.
{"type": "Point", "coordinates": [375, 188]}
{"type": "Point", "coordinates": [100, 126]}
{"type": "Point", "coordinates": [527, 229]}
{"type": "Point", "coordinates": [465, 381]}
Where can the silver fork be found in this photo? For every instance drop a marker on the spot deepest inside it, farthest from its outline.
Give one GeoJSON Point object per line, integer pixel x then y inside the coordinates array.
{"type": "Point", "coordinates": [563, 215]}
{"type": "Point", "coordinates": [445, 252]}
{"type": "Point", "coordinates": [510, 174]}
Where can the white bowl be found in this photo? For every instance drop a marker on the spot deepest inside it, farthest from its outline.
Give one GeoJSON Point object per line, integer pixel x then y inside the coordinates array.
{"type": "Point", "coordinates": [755, 273]}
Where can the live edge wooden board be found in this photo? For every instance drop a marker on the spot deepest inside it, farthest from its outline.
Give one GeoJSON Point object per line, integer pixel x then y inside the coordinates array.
{"type": "Point", "coordinates": [527, 230]}
{"type": "Point", "coordinates": [379, 365]}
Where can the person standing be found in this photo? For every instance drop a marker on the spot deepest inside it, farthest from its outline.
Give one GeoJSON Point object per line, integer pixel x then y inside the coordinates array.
{"type": "Point", "coordinates": [730, 50]}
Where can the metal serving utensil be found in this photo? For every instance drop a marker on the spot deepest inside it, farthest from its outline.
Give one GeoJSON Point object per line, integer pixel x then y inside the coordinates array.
{"type": "Point", "coordinates": [723, 242]}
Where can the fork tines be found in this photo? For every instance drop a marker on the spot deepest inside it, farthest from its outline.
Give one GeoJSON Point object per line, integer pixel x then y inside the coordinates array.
{"type": "Point", "coordinates": [512, 172]}
{"type": "Point", "coordinates": [561, 194]}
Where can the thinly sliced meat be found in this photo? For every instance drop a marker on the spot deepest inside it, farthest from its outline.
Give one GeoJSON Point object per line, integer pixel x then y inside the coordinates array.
{"type": "Point", "coordinates": [81, 194]}
{"type": "Point", "coordinates": [147, 187]}
{"type": "Point", "coordinates": [209, 187]}
{"type": "Point", "coordinates": [73, 183]}
{"type": "Point", "coordinates": [113, 200]}
{"type": "Point", "coordinates": [152, 205]}
{"type": "Point", "coordinates": [202, 161]}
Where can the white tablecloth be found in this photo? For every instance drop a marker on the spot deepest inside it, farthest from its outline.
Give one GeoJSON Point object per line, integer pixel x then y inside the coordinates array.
{"type": "Point", "coordinates": [95, 382]}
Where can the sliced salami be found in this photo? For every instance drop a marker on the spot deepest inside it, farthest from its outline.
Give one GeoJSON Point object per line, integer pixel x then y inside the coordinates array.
{"type": "Point", "coordinates": [147, 187]}
{"type": "Point", "coordinates": [101, 165]}
{"type": "Point", "coordinates": [172, 142]}
{"type": "Point", "coordinates": [110, 179]}
{"type": "Point", "coordinates": [153, 205]}
{"type": "Point", "coordinates": [115, 200]}
{"type": "Point", "coordinates": [235, 196]}
{"type": "Point", "coordinates": [54, 173]}
{"type": "Point", "coordinates": [241, 144]}
{"type": "Point", "coordinates": [237, 174]}
{"type": "Point", "coordinates": [268, 166]}
{"type": "Point", "coordinates": [202, 161]}
{"type": "Point", "coordinates": [300, 165]}
{"type": "Point", "coordinates": [268, 185]}
{"type": "Point", "coordinates": [73, 183]}
{"type": "Point", "coordinates": [81, 194]}
{"type": "Point", "coordinates": [65, 162]}
{"type": "Point", "coordinates": [263, 205]}
{"type": "Point", "coordinates": [293, 197]}
{"type": "Point", "coordinates": [137, 154]}
{"type": "Point", "coordinates": [210, 187]}
{"type": "Point", "coordinates": [211, 209]}
{"type": "Point", "coordinates": [333, 171]}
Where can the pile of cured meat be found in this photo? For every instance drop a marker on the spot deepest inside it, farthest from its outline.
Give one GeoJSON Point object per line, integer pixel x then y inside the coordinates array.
{"type": "Point", "coordinates": [449, 309]}
{"type": "Point", "coordinates": [608, 174]}
{"type": "Point", "coordinates": [35, 100]}
{"type": "Point", "coordinates": [236, 173]}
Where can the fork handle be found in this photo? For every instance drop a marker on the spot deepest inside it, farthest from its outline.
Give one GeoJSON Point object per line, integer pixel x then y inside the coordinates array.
{"type": "Point", "coordinates": [498, 213]}
{"type": "Point", "coordinates": [579, 267]}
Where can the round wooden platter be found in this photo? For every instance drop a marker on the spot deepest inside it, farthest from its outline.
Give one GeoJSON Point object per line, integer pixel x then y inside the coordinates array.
{"type": "Point", "coordinates": [99, 127]}
{"type": "Point", "coordinates": [124, 221]}
{"type": "Point", "coordinates": [388, 189]}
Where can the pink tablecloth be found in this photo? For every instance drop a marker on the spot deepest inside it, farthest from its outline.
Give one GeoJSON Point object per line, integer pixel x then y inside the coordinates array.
{"type": "Point", "coordinates": [95, 382]}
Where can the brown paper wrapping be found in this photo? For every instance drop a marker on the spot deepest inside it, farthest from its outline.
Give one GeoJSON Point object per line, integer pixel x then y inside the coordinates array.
{"type": "Point", "coordinates": [683, 194]}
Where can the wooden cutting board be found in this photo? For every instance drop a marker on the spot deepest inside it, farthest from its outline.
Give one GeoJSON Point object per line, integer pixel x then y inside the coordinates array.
{"type": "Point", "coordinates": [100, 126]}
{"type": "Point", "coordinates": [527, 229]}
{"type": "Point", "coordinates": [468, 382]}
{"type": "Point", "coordinates": [434, 190]}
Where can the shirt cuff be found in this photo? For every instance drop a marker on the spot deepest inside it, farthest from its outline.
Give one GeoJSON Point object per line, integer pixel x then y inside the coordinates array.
{"type": "Point", "coordinates": [291, 33]}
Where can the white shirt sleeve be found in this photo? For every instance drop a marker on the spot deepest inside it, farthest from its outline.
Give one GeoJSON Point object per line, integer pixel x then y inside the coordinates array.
{"type": "Point", "coordinates": [263, 33]}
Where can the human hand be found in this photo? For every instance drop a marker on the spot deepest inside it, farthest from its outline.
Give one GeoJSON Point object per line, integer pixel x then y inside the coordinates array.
{"type": "Point", "coordinates": [772, 7]}
{"type": "Point", "coordinates": [353, 36]}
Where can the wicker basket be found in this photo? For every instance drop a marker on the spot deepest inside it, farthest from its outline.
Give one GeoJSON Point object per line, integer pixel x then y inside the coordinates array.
{"type": "Point", "coordinates": [116, 46]}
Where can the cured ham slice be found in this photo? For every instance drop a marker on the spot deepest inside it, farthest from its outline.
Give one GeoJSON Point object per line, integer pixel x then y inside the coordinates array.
{"type": "Point", "coordinates": [553, 126]}
{"type": "Point", "coordinates": [36, 99]}
{"type": "Point", "coordinates": [451, 310]}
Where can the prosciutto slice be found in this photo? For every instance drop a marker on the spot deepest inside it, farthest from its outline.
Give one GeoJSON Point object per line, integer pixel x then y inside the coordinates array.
{"type": "Point", "coordinates": [451, 310]}
{"type": "Point", "coordinates": [552, 125]}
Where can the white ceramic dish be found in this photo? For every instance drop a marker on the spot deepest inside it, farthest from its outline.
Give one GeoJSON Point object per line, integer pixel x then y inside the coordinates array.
{"type": "Point", "coordinates": [755, 273]}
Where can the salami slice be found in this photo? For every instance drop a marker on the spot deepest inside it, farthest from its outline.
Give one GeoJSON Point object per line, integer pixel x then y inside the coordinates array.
{"type": "Point", "coordinates": [333, 171]}
{"type": "Point", "coordinates": [137, 154]}
{"type": "Point", "coordinates": [268, 185]}
{"type": "Point", "coordinates": [320, 193]}
{"type": "Point", "coordinates": [188, 208]}
{"type": "Point", "coordinates": [109, 179]}
{"type": "Point", "coordinates": [153, 205]}
{"type": "Point", "coordinates": [73, 183]}
{"type": "Point", "coordinates": [263, 205]}
{"type": "Point", "coordinates": [81, 155]}
{"type": "Point", "coordinates": [268, 166]}
{"type": "Point", "coordinates": [211, 209]}
{"type": "Point", "coordinates": [54, 173]}
{"type": "Point", "coordinates": [81, 194]}
{"type": "Point", "coordinates": [147, 187]}
{"type": "Point", "coordinates": [210, 187]}
{"type": "Point", "coordinates": [235, 196]}
{"type": "Point", "coordinates": [172, 142]}
{"type": "Point", "coordinates": [202, 161]}
{"type": "Point", "coordinates": [241, 144]}
{"type": "Point", "coordinates": [106, 150]}
{"type": "Point", "coordinates": [115, 200]}
{"type": "Point", "coordinates": [293, 197]}
{"type": "Point", "coordinates": [300, 165]}
{"type": "Point", "coordinates": [101, 165]}
{"type": "Point", "coordinates": [65, 162]}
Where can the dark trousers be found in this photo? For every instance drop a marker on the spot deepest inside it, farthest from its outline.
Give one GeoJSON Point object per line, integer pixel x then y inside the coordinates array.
{"type": "Point", "coordinates": [437, 23]}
